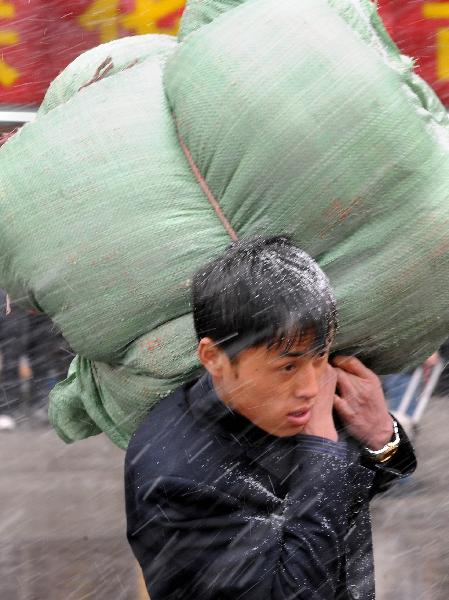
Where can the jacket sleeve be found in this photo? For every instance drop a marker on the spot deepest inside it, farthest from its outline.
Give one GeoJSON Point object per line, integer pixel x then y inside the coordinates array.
{"type": "Point", "coordinates": [196, 542]}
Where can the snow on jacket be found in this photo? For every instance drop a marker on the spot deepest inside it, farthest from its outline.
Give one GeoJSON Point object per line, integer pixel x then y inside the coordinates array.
{"type": "Point", "coordinates": [219, 510]}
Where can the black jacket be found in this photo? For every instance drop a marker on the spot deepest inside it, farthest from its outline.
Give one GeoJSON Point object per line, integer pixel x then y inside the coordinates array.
{"type": "Point", "coordinates": [219, 510]}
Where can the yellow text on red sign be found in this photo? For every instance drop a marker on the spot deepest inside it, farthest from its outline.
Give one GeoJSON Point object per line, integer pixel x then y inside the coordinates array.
{"type": "Point", "coordinates": [440, 11]}
{"type": "Point", "coordinates": [147, 16]}
{"type": "Point", "coordinates": [8, 37]}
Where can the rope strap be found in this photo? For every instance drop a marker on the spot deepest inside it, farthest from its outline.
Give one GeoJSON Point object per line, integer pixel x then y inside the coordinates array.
{"type": "Point", "coordinates": [207, 192]}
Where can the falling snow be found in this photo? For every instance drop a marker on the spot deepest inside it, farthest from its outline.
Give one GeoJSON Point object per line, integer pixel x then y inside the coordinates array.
{"type": "Point", "coordinates": [62, 517]}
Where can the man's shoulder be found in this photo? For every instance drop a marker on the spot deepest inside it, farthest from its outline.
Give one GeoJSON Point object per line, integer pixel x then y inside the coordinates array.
{"type": "Point", "coordinates": [166, 440]}
{"type": "Point", "coordinates": [161, 422]}
{"type": "Point", "coordinates": [176, 442]}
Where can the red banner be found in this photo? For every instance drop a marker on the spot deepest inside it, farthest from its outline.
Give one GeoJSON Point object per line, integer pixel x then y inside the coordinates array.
{"type": "Point", "coordinates": [38, 38]}
{"type": "Point", "coordinates": [421, 30]}
{"type": "Point", "coordinates": [22, 73]}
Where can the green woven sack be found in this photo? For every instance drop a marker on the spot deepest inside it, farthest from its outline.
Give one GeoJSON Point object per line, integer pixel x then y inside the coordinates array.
{"type": "Point", "coordinates": [296, 117]}
{"type": "Point", "coordinates": [307, 111]}
{"type": "Point", "coordinates": [111, 212]}
{"type": "Point", "coordinates": [104, 61]}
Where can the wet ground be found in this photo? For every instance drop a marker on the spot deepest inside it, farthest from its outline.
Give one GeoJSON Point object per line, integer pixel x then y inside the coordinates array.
{"type": "Point", "coordinates": [62, 527]}
{"type": "Point", "coordinates": [411, 522]}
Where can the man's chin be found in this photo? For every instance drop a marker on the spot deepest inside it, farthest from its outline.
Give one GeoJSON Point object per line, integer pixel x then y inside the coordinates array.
{"type": "Point", "coordinates": [284, 432]}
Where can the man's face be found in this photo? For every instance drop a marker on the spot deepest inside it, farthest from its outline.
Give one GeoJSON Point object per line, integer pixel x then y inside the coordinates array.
{"type": "Point", "coordinates": [274, 391]}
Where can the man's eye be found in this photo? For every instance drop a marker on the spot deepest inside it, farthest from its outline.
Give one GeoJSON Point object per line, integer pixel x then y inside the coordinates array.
{"type": "Point", "coordinates": [289, 367]}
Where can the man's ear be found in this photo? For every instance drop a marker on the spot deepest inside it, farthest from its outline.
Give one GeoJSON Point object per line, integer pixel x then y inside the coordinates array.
{"type": "Point", "coordinates": [211, 357]}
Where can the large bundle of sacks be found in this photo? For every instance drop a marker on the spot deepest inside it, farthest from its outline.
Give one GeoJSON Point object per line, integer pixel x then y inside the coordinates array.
{"type": "Point", "coordinates": [297, 116]}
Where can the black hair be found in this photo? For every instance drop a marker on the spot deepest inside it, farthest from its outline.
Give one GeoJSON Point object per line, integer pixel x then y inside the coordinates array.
{"type": "Point", "coordinates": [263, 291]}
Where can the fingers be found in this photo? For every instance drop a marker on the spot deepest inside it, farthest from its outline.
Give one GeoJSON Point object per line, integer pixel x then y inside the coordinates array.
{"type": "Point", "coordinates": [342, 408]}
{"type": "Point", "coordinates": [353, 365]}
{"type": "Point", "coordinates": [432, 361]}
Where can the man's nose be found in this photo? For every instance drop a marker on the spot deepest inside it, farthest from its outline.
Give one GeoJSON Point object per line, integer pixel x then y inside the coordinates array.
{"type": "Point", "coordinates": [306, 383]}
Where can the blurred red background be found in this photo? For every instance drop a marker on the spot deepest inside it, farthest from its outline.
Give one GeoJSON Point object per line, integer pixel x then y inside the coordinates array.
{"type": "Point", "coordinates": [38, 38]}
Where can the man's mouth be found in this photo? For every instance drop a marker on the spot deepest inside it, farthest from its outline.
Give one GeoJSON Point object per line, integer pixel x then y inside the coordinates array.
{"type": "Point", "coordinates": [299, 417]}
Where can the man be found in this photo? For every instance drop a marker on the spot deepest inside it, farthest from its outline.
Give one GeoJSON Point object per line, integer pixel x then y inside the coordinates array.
{"type": "Point", "coordinates": [14, 335]}
{"type": "Point", "coordinates": [253, 482]}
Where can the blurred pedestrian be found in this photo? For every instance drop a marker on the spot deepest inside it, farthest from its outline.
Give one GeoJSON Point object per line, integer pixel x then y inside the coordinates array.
{"type": "Point", "coordinates": [406, 391]}
{"type": "Point", "coordinates": [34, 357]}
{"type": "Point", "coordinates": [14, 332]}
{"type": "Point", "coordinates": [49, 357]}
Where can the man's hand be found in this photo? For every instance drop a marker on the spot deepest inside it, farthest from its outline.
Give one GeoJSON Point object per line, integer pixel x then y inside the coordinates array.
{"type": "Point", "coordinates": [429, 365]}
{"type": "Point", "coordinates": [321, 422]}
{"type": "Point", "coordinates": [361, 403]}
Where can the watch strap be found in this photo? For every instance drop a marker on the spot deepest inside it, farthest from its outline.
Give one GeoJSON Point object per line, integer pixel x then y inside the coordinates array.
{"type": "Point", "coordinates": [386, 452]}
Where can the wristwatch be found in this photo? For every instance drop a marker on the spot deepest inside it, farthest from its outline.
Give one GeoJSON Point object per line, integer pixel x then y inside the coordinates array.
{"type": "Point", "coordinates": [389, 449]}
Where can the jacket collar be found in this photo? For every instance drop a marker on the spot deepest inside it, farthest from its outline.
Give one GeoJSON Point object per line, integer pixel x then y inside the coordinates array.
{"type": "Point", "coordinates": [274, 454]}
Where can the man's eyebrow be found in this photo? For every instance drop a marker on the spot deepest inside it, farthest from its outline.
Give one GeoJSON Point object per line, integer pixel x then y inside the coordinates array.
{"type": "Point", "coordinates": [310, 352]}
{"type": "Point", "coordinates": [294, 354]}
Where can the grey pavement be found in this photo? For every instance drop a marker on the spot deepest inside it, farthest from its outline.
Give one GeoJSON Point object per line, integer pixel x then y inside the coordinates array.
{"type": "Point", "coordinates": [411, 522]}
{"type": "Point", "coordinates": [62, 527]}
